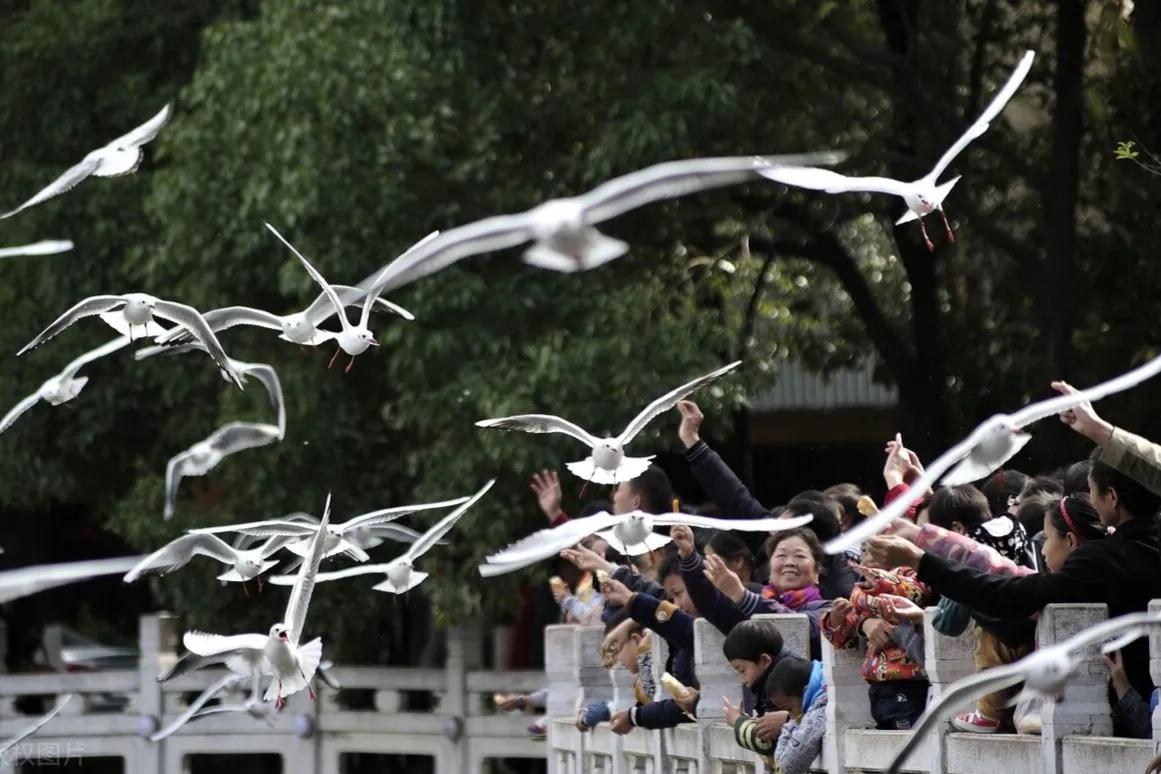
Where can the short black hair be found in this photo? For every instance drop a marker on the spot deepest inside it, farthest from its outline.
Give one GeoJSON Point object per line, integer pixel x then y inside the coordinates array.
{"type": "Point", "coordinates": [750, 639]}
{"type": "Point", "coordinates": [654, 489]}
{"type": "Point", "coordinates": [999, 487]}
{"type": "Point", "coordinates": [727, 545]}
{"type": "Point", "coordinates": [846, 497]}
{"type": "Point", "coordinates": [670, 565]}
{"type": "Point", "coordinates": [825, 524]}
{"type": "Point", "coordinates": [789, 677]}
{"type": "Point", "coordinates": [806, 534]}
{"type": "Point", "coordinates": [1075, 478]}
{"type": "Point", "coordinates": [1136, 499]}
{"type": "Point", "coordinates": [963, 503]}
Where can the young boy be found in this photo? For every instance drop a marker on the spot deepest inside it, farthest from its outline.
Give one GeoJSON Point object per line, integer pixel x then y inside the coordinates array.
{"type": "Point", "coordinates": [626, 643]}
{"type": "Point", "coordinates": [796, 687]}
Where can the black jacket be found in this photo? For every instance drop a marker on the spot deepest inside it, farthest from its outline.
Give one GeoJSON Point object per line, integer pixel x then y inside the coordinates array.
{"type": "Point", "coordinates": [1122, 571]}
{"type": "Point", "coordinates": [676, 628]}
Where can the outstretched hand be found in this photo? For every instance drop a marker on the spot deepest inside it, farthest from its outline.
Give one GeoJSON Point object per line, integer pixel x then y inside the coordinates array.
{"type": "Point", "coordinates": [691, 419]}
{"type": "Point", "coordinates": [1083, 419]}
{"type": "Point", "coordinates": [546, 486]}
{"type": "Point", "coordinates": [725, 579]}
{"type": "Point", "coordinates": [587, 559]}
{"type": "Point", "coordinates": [683, 538]}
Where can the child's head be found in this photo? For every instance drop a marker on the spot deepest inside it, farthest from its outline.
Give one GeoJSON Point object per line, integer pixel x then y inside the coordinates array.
{"type": "Point", "coordinates": [751, 647]}
{"type": "Point", "coordinates": [733, 551]}
{"type": "Point", "coordinates": [1068, 522]}
{"type": "Point", "coordinates": [787, 682]}
{"type": "Point", "coordinates": [623, 638]}
{"type": "Point", "coordinates": [958, 508]}
{"type": "Point", "coordinates": [669, 576]}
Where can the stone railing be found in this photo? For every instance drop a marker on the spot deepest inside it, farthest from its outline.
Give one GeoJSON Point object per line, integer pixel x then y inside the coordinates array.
{"type": "Point", "coordinates": [311, 737]}
{"type": "Point", "coordinates": [1074, 740]}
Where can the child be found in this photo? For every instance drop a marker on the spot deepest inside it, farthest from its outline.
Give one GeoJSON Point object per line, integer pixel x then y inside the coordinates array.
{"type": "Point", "coordinates": [626, 643]}
{"type": "Point", "coordinates": [753, 648]}
{"type": "Point", "coordinates": [796, 687]}
{"type": "Point", "coordinates": [898, 682]}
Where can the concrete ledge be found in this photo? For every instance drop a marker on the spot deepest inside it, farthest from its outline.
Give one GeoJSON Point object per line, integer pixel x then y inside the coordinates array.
{"type": "Point", "coordinates": [1106, 753]}
{"type": "Point", "coordinates": [996, 754]}
{"type": "Point", "coordinates": [870, 750]}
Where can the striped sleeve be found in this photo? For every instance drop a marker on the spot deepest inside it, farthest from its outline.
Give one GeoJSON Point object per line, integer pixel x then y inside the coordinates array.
{"type": "Point", "coordinates": [746, 735]}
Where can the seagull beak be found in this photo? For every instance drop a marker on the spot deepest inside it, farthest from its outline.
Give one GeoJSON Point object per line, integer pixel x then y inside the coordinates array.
{"type": "Point", "coordinates": [282, 636]}
{"type": "Point", "coordinates": [374, 343]}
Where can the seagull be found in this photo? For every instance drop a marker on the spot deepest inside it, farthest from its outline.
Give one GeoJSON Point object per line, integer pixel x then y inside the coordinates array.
{"type": "Point", "coordinates": [400, 572]}
{"type": "Point", "coordinates": [352, 339]}
{"type": "Point", "coordinates": [244, 565]}
{"type": "Point", "coordinates": [925, 195]}
{"type": "Point", "coordinates": [194, 711]}
{"type": "Point", "coordinates": [45, 247]}
{"type": "Point", "coordinates": [562, 231]}
{"type": "Point", "coordinates": [205, 455]}
{"type": "Point", "coordinates": [245, 663]}
{"type": "Point", "coordinates": [64, 386]}
{"type": "Point", "coordinates": [40, 723]}
{"type": "Point", "coordinates": [26, 581]}
{"type": "Point", "coordinates": [298, 328]}
{"type": "Point", "coordinates": [607, 464]}
{"type": "Point", "coordinates": [1044, 672]}
{"type": "Point", "coordinates": [985, 450]}
{"type": "Point", "coordinates": [628, 533]}
{"type": "Point", "coordinates": [120, 157]}
{"type": "Point", "coordinates": [293, 665]}
{"type": "Point", "coordinates": [352, 537]}
{"type": "Point", "coordinates": [138, 310]}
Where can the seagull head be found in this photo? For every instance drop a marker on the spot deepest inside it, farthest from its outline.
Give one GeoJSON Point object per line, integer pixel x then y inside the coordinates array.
{"type": "Point", "coordinates": [278, 631]}
{"type": "Point", "coordinates": [608, 453]}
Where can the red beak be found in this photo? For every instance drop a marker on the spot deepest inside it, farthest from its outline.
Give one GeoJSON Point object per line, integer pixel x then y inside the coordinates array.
{"type": "Point", "coordinates": [283, 636]}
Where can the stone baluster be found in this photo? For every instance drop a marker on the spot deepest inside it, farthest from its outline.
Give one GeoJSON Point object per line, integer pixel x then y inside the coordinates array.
{"type": "Point", "coordinates": [847, 703]}
{"type": "Point", "coordinates": [946, 660]}
{"type": "Point", "coordinates": [1085, 709]}
{"type": "Point", "coordinates": [563, 698]}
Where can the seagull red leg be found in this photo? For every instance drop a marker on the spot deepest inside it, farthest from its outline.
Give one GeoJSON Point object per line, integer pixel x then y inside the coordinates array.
{"type": "Point", "coordinates": [350, 365]}
{"type": "Point", "coordinates": [334, 357]}
{"type": "Point", "coordinates": [946, 225]}
{"type": "Point", "coordinates": [926, 239]}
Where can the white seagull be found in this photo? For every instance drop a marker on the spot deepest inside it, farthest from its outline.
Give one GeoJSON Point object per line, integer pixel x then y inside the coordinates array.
{"type": "Point", "coordinates": [293, 665]}
{"type": "Point", "coordinates": [26, 581]}
{"type": "Point", "coordinates": [8, 744]}
{"type": "Point", "coordinates": [299, 328]}
{"type": "Point", "coordinates": [137, 310]}
{"type": "Point", "coordinates": [65, 385]}
{"type": "Point", "coordinates": [401, 573]}
{"type": "Point", "coordinates": [607, 464]}
{"type": "Point", "coordinates": [244, 564]}
{"type": "Point", "coordinates": [194, 711]}
{"type": "Point", "coordinates": [120, 157]}
{"type": "Point", "coordinates": [627, 533]}
{"type": "Point", "coordinates": [45, 247]}
{"type": "Point", "coordinates": [205, 455]}
{"type": "Point", "coordinates": [1044, 672]}
{"type": "Point", "coordinates": [922, 196]}
{"type": "Point", "coordinates": [562, 230]}
{"type": "Point", "coordinates": [352, 339]}
{"type": "Point", "coordinates": [352, 537]}
{"type": "Point", "coordinates": [988, 447]}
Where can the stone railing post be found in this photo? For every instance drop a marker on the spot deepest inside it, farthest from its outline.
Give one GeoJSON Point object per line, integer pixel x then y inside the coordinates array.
{"type": "Point", "coordinates": [717, 679]}
{"type": "Point", "coordinates": [155, 635]}
{"type": "Point", "coordinates": [1085, 709]}
{"type": "Point", "coordinates": [1155, 667]}
{"type": "Point", "coordinates": [563, 698]}
{"type": "Point", "coordinates": [847, 703]}
{"type": "Point", "coordinates": [795, 630]}
{"type": "Point", "coordinates": [946, 660]}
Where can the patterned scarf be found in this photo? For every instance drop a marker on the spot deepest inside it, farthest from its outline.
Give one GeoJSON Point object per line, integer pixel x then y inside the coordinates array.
{"type": "Point", "coordinates": [795, 599]}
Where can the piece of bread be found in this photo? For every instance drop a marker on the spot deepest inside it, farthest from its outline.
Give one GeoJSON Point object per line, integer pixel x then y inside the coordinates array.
{"type": "Point", "coordinates": [674, 686]}
{"type": "Point", "coordinates": [602, 578]}
{"type": "Point", "coordinates": [867, 506]}
{"type": "Point", "coordinates": [557, 583]}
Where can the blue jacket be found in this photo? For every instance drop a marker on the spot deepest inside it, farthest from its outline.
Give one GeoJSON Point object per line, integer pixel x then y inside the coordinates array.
{"type": "Point", "coordinates": [676, 628]}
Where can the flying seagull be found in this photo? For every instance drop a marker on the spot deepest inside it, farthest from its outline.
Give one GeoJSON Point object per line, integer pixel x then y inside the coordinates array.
{"type": "Point", "coordinates": [293, 665]}
{"type": "Point", "coordinates": [8, 744]}
{"type": "Point", "coordinates": [64, 386]}
{"type": "Point", "coordinates": [244, 565]}
{"type": "Point", "coordinates": [120, 157]}
{"type": "Point", "coordinates": [988, 447]}
{"type": "Point", "coordinates": [401, 573]}
{"type": "Point", "coordinates": [925, 195]}
{"type": "Point", "coordinates": [1044, 672]}
{"type": "Point", "coordinates": [137, 310]}
{"type": "Point", "coordinates": [629, 533]}
{"type": "Point", "coordinates": [46, 247]}
{"type": "Point", "coordinates": [26, 581]}
{"type": "Point", "coordinates": [607, 464]}
{"type": "Point", "coordinates": [205, 455]}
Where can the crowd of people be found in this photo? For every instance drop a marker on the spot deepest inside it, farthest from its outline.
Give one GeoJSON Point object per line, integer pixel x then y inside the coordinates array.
{"type": "Point", "coordinates": [989, 557]}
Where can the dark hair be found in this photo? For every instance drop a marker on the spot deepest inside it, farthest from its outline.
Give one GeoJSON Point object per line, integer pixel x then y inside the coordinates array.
{"type": "Point", "coordinates": [1032, 508]}
{"type": "Point", "coordinates": [619, 618]}
{"type": "Point", "coordinates": [1083, 521]}
{"type": "Point", "coordinates": [825, 524]}
{"type": "Point", "coordinates": [802, 532]}
{"type": "Point", "coordinates": [846, 497]}
{"type": "Point", "coordinates": [789, 677]}
{"type": "Point", "coordinates": [750, 639]}
{"type": "Point", "coordinates": [1045, 484]}
{"type": "Point", "coordinates": [810, 494]}
{"type": "Point", "coordinates": [1075, 478]}
{"type": "Point", "coordinates": [729, 546]}
{"type": "Point", "coordinates": [654, 489]}
{"type": "Point", "coordinates": [1138, 501]}
{"type": "Point", "coordinates": [963, 503]}
{"type": "Point", "coordinates": [1002, 485]}
{"type": "Point", "coordinates": [669, 566]}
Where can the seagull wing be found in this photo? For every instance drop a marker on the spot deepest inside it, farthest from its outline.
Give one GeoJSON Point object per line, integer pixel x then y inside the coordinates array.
{"type": "Point", "coordinates": [854, 537]}
{"type": "Point", "coordinates": [546, 543]}
{"type": "Point", "coordinates": [346, 572]}
{"type": "Point", "coordinates": [193, 321]}
{"type": "Point", "coordinates": [266, 374]}
{"type": "Point", "coordinates": [225, 684]}
{"type": "Point", "coordinates": [669, 400]}
{"type": "Point", "coordinates": [384, 515]}
{"type": "Point", "coordinates": [673, 179]}
{"type": "Point", "coordinates": [1055, 405]}
{"type": "Point", "coordinates": [239, 436]}
{"type": "Point", "coordinates": [740, 525]}
{"type": "Point", "coordinates": [299, 603]}
{"type": "Point", "coordinates": [8, 744]}
{"type": "Point", "coordinates": [396, 532]}
{"type": "Point", "coordinates": [267, 528]}
{"type": "Point", "coordinates": [108, 348]}
{"type": "Point", "coordinates": [18, 410]}
{"type": "Point", "coordinates": [44, 247]}
{"type": "Point", "coordinates": [444, 525]}
{"type": "Point", "coordinates": [313, 272]}
{"type": "Point", "coordinates": [146, 132]}
{"type": "Point", "coordinates": [15, 584]}
{"type": "Point", "coordinates": [832, 182]}
{"type": "Point", "coordinates": [175, 470]}
{"type": "Point", "coordinates": [177, 553]}
{"type": "Point", "coordinates": [93, 305]}
{"type": "Point", "coordinates": [958, 694]}
{"type": "Point", "coordinates": [1122, 628]}
{"type": "Point", "coordinates": [998, 103]}
{"type": "Point", "coordinates": [540, 423]}
{"type": "Point", "coordinates": [66, 182]}
{"type": "Point", "coordinates": [221, 319]}
{"type": "Point", "coordinates": [206, 644]}
{"type": "Point", "coordinates": [370, 299]}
